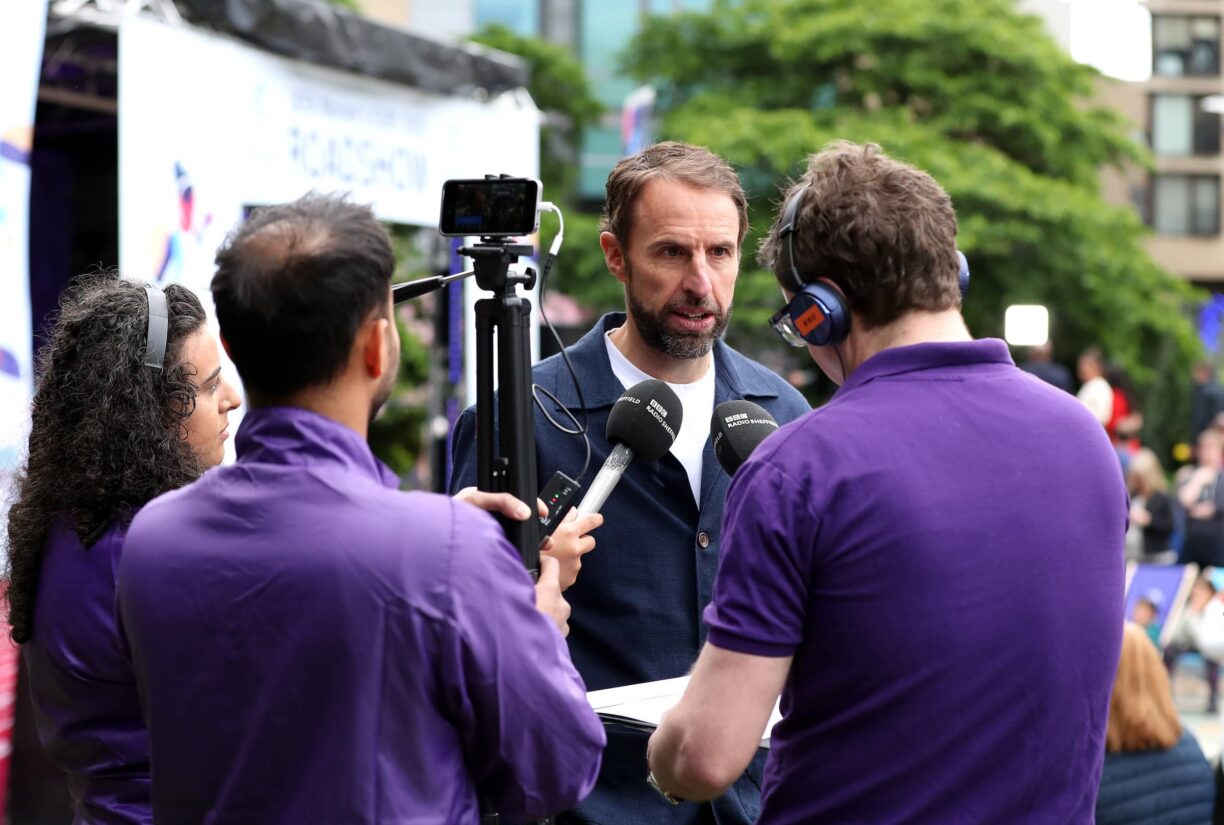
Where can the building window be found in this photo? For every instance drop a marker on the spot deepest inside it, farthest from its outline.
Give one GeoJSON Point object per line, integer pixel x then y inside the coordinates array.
{"type": "Point", "coordinates": [519, 17]}
{"type": "Point", "coordinates": [1186, 204]}
{"type": "Point", "coordinates": [1181, 126]}
{"type": "Point", "coordinates": [1183, 45]}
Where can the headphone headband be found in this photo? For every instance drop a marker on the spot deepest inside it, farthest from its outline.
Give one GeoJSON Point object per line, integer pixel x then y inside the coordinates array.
{"type": "Point", "coordinates": [158, 329]}
{"type": "Point", "coordinates": [786, 252]}
{"type": "Point", "coordinates": [788, 269]}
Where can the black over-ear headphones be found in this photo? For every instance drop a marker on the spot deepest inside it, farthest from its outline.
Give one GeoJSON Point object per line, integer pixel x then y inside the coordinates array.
{"type": "Point", "coordinates": [159, 325]}
{"type": "Point", "coordinates": [818, 311]}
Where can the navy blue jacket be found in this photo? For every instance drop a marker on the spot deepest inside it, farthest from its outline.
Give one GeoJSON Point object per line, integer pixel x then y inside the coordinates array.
{"type": "Point", "coordinates": [637, 602]}
{"type": "Point", "coordinates": [1157, 787]}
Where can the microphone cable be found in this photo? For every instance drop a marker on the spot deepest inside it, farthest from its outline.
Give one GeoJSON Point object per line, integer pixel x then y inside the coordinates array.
{"type": "Point", "coordinates": [580, 428]}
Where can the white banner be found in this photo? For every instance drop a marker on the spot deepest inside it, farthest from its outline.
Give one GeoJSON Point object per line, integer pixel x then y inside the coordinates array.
{"type": "Point", "coordinates": [239, 128]}
{"type": "Point", "coordinates": [21, 47]}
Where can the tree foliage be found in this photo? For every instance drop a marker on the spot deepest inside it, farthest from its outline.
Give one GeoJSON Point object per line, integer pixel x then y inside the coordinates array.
{"type": "Point", "coordinates": [558, 84]}
{"type": "Point", "coordinates": [978, 95]}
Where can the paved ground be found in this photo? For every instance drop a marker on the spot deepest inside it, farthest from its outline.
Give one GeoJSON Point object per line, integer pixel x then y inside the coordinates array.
{"type": "Point", "coordinates": [1190, 697]}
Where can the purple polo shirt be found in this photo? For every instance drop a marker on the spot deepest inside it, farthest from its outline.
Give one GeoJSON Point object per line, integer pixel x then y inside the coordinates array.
{"type": "Point", "coordinates": [84, 693]}
{"type": "Point", "coordinates": [313, 645]}
{"type": "Point", "coordinates": [940, 548]}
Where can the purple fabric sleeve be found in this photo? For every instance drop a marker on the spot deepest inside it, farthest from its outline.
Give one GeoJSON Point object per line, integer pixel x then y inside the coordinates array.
{"type": "Point", "coordinates": [761, 593]}
{"type": "Point", "coordinates": [531, 741]}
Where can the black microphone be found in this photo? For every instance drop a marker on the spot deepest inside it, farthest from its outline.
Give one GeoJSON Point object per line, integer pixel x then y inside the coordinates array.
{"type": "Point", "coordinates": [737, 428]}
{"type": "Point", "coordinates": [643, 423]}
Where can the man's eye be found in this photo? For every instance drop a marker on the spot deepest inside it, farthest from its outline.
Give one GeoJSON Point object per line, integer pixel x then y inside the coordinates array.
{"type": "Point", "coordinates": [671, 251]}
{"type": "Point", "coordinates": [720, 252]}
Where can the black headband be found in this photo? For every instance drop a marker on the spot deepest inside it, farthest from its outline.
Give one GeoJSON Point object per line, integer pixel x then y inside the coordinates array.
{"type": "Point", "coordinates": [786, 268]}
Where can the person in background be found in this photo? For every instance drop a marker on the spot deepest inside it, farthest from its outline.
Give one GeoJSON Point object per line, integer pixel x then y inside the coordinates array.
{"type": "Point", "coordinates": [1208, 398]}
{"type": "Point", "coordinates": [1095, 392]}
{"type": "Point", "coordinates": [310, 643]}
{"type": "Point", "coordinates": [1201, 496]}
{"type": "Point", "coordinates": [1200, 630]}
{"type": "Point", "coordinates": [1151, 510]}
{"type": "Point", "coordinates": [109, 432]}
{"type": "Point", "coordinates": [1146, 614]}
{"type": "Point", "coordinates": [1125, 419]}
{"type": "Point", "coordinates": [1154, 771]}
{"type": "Point", "coordinates": [1041, 363]}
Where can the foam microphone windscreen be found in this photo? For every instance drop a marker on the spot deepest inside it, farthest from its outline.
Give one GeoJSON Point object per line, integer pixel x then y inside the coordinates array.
{"type": "Point", "coordinates": [646, 418]}
{"type": "Point", "coordinates": [737, 428]}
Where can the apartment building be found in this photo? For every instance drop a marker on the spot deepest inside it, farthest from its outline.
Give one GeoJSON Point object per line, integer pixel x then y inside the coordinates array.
{"type": "Point", "coordinates": [1184, 101]}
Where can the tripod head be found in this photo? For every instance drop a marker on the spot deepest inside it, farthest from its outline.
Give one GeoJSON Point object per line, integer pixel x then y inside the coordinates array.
{"type": "Point", "coordinates": [491, 259]}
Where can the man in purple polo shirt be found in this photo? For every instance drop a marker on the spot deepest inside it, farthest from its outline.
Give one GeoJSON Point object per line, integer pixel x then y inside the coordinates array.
{"type": "Point", "coordinates": [310, 644]}
{"type": "Point", "coordinates": [928, 568]}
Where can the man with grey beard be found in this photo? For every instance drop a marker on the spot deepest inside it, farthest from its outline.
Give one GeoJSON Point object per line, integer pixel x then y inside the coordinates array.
{"type": "Point", "coordinates": [674, 223]}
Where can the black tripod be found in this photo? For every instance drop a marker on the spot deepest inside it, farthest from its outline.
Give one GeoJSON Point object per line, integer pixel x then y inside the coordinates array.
{"type": "Point", "coordinates": [505, 457]}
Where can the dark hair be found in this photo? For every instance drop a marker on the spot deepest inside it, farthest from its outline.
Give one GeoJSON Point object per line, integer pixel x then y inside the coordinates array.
{"type": "Point", "coordinates": [293, 285]}
{"type": "Point", "coordinates": [691, 165]}
{"type": "Point", "coordinates": [108, 433]}
{"type": "Point", "coordinates": [882, 231]}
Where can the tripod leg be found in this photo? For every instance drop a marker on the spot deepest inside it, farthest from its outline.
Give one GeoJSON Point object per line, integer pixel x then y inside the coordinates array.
{"type": "Point", "coordinates": [517, 442]}
{"type": "Point", "coordinates": [484, 398]}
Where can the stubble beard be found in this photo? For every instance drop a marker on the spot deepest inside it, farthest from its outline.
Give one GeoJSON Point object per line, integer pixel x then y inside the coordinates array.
{"type": "Point", "coordinates": [683, 346]}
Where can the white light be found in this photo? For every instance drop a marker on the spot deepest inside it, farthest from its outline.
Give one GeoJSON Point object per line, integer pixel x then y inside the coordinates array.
{"type": "Point", "coordinates": [1115, 36]}
{"type": "Point", "coordinates": [1026, 325]}
{"type": "Point", "coordinates": [1213, 104]}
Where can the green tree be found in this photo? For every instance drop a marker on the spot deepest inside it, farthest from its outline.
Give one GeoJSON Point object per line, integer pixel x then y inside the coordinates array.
{"type": "Point", "coordinates": [978, 95]}
{"type": "Point", "coordinates": [396, 434]}
{"type": "Point", "coordinates": [559, 86]}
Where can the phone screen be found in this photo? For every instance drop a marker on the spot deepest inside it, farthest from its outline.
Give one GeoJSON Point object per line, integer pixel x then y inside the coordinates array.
{"type": "Point", "coordinates": [497, 206]}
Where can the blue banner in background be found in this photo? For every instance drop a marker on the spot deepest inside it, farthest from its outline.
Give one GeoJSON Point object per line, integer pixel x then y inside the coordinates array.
{"type": "Point", "coordinates": [21, 47]}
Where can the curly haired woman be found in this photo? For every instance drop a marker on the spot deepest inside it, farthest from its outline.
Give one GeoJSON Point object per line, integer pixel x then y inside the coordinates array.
{"type": "Point", "coordinates": [113, 426]}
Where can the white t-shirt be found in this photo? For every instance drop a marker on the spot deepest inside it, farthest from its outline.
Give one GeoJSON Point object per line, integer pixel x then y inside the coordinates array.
{"type": "Point", "coordinates": [1097, 396]}
{"type": "Point", "coordinates": [697, 399]}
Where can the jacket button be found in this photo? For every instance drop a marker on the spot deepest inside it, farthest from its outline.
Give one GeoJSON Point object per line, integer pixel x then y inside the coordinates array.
{"type": "Point", "coordinates": [703, 539]}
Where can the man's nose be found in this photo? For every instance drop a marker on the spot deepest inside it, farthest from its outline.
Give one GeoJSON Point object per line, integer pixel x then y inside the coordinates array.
{"type": "Point", "coordinates": [697, 277]}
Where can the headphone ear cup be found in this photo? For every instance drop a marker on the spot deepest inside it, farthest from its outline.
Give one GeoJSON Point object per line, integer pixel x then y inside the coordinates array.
{"type": "Point", "coordinates": [963, 275]}
{"type": "Point", "coordinates": [819, 315]}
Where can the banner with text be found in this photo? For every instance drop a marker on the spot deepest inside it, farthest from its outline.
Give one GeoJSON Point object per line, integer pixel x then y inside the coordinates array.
{"type": "Point", "coordinates": [236, 127]}
{"type": "Point", "coordinates": [209, 127]}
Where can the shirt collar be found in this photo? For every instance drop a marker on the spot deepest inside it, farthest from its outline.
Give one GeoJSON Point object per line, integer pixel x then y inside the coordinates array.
{"type": "Point", "coordinates": [601, 389]}
{"type": "Point", "coordinates": [931, 356]}
{"type": "Point", "coordinates": [296, 436]}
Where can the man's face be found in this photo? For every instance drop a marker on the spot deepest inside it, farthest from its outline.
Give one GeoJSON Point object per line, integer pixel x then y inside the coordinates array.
{"type": "Point", "coordinates": [679, 267]}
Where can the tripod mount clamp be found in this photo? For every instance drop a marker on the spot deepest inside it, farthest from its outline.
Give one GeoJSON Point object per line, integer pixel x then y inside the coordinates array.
{"type": "Point", "coordinates": [492, 259]}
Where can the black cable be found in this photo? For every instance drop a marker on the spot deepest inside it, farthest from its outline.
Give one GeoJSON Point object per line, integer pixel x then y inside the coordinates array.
{"type": "Point", "coordinates": [581, 427]}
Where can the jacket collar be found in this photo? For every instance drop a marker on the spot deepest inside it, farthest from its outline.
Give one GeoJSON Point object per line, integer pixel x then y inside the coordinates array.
{"type": "Point", "coordinates": [295, 436]}
{"type": "Point", "coordinates": [733, 374]}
